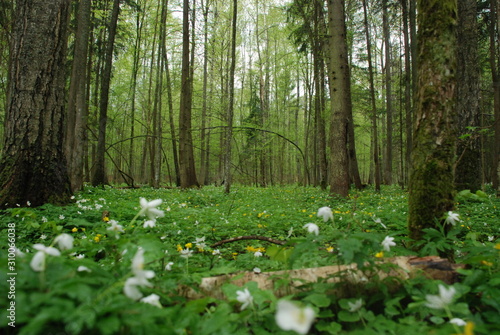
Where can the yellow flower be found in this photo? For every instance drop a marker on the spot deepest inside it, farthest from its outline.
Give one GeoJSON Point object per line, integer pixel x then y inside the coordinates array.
{"type": "Point", "coordinates": [83, 229]}
{"type": "Point", "coordinates": [179, 248]}
{"type": "Point", "coordinates": [97, 238]}
{"type": "Point", "coordinates": [189, 245]}
{"type": "Point", "coordinates": [468, 329]}
{"type": "Point", "coordinates": [487, 263]}
{"type": "Point", "coordinates": [303, 211]}
{"type": "Point", "coordinates": [105, 219]}
{"type": "Point", "coordinates": [74, 230]}
{"type": "Point", "coordinates": [497, 246]}
{"type": "Point", "coordinates": [329, 249]}
{"type": "Point", "coordinates": [379, 254]}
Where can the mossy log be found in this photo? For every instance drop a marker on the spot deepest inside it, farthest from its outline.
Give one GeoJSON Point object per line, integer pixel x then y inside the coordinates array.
{"type": "Point", "coordinates": [397, 268]}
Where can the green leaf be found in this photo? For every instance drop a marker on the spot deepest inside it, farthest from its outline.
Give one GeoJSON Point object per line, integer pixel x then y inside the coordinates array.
{"type": "Point", "coordinates": [109, 325]}
{"type": "Point", "coordinates": [319, 300]}
{"type": "Point", "coordinates": [348, 316]}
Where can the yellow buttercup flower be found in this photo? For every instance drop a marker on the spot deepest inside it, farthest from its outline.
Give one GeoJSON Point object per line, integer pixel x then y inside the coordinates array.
{"type": "Point", "coordinates": [74, 230]}
{"type": "Point", "coordinates": [379, 254]}
{"type": "Point", "coordinates": [189, 245]}
{"type": "Point", "coordinates": [179, 248]}
{"type": "Point", "coordinates": [97, 239]}
{"type": "Point", "coordinates": [487, 263]}
{"type": "Point", "coordinates": [497, 246]}
{"type": "Point", "coordinates": [329, 249]}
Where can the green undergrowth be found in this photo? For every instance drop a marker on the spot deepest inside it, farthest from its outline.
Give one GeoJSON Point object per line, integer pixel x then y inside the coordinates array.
{"type": "Point", "coordinates": [84, 290]}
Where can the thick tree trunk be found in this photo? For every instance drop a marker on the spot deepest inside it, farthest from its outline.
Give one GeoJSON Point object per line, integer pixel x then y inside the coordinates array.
{"type": "Point", "coordinates": [187, 169]}
{"type": "Point", "coordinates": [408, 90]}
{"type": "Point", "coordinates": [99, 177]}
{"type": "Point", "coordinates": [76, 123]}
{"type": "Point", "coordinates": [494, 61]}
{"type": "Point", "coordinates": [468, 170]}
{"type": "Point", "coordinates": [340, 94]}
{"type": "Point", "coordinates": [376, 162]}
{"type": "Point", "coordinates": [33, 166]}
{"type": "Point", "coordinates": [230, 109]}
{"type": "Point", "coordinates": [433, 155]}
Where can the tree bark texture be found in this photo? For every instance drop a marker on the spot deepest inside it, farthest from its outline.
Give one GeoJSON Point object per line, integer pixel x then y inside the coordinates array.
{"type": "Point", "coordinates": [33, 166]}
{"type": "Point", "coordinates": [99, 177]}
{"type": "Point", "coordinates": [373, 101]}
{"type": "Point", "coordinates": [76, 124]}
{"type": "Point", "coordinates": [469, 168]}
{"type": "Point", "coordinates": [350, 278]}
{"type": "Point", "coordinates": [186, 154]}
{"type": "Point", "coordinates": [230, 109]}
{"type": "Point", "coordinates": [431, 178]}
{"type": "Point", "coordinates": [340, 94]}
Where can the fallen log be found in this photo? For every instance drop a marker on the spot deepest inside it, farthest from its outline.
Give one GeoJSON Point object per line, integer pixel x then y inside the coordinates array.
{"type": "Point", "coordinates": [398, 268]}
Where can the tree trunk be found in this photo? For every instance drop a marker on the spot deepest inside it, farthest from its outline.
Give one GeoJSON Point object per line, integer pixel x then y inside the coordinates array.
{"type": "Point", "coordinates": [433, 154]}
{"type": "Point", "coordinates": [76, 123]}
{"type": "Point", "coordinates": [495, 76]}
{"type": "Point", "coordinates": [230, 109]}
{"type": "Point", "coordinates": [408, 90]}
{"type": "Point", "coordinates": [340, 95]}
{"type": "Point", "coordinates": [186, 155]}
{"type": "Point", "coordinates": [33, 167]}
{"type": "Point", "coordinates": [388, 96]}
{"type": "Point", "coordinates": [376, 162]}
{"type": "Point", "coordinates": [99, 177]}
{"type": "Point", "coordinates": [468, 169]}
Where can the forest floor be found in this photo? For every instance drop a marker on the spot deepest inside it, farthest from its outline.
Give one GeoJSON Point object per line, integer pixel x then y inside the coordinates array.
{"type": "Point", "coordinates": [111, 263]}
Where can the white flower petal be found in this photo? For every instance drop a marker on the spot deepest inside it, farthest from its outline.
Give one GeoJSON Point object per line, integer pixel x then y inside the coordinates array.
{"type": "Point", "coordinates": [325, 213]}
{"type": "Point", "coordinates": [291, 317]}
{"type": "Point", "coordinates": [152, 299]}
{"type": "Point", "coordinates": [38, 261]}
{"type": "Point", "coordinates": [64, 241]}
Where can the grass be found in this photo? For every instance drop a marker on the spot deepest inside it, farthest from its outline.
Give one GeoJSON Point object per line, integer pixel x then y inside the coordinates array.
{"type": "Point", "coordinates": [82, 290]}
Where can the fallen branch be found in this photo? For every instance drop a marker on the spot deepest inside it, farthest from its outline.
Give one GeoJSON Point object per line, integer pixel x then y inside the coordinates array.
{"type": "Point", "coordinates": [398, 268]}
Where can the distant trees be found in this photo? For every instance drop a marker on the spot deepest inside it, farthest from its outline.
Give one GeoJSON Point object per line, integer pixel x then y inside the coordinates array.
{"type": "Point", "coordinates": [33, 167]}
{"type": "Point", "coordinates": [322, 93]}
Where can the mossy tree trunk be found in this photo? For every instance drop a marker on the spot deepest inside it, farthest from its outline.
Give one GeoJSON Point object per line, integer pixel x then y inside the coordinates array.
{"type": "Point", "coordinates": [433, 153]}
{"type": "Point", "coordinates": [33, 167]}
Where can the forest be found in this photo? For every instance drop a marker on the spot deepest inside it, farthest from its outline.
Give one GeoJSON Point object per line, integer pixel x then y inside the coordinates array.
{"type": "Point", "coordinates": [250, 167]}
{"type": "Point", "coordinates": [126, 117]}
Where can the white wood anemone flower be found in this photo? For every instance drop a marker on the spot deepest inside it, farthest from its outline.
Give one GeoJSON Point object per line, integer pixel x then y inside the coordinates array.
{"type": "Point", "coordinates": [148, 208]}
{"type": "Point", "coordinates": [152, 299]}
{"type": "Point", "coordinates": [64, 241]}
{"type": "Point", "coordinates": [325, 213]}
{"type": "Point", "coordinates": [38, 261]}
{"type": "Point", "coordinates": [355, 306]}
{"type": "Point", "coordinates": [388, 242]}
{"type": "Point", "coordinates": [442, 300]}
{"type": "Point", "coordinates": [452, 218]}
{"type": "Point", "coordinates": [289, 316]}
{"type": "Point", "coordinates": [245, 297]}
{"type": "Point", "coordinates": [140, 278]}
{"type": "Point", "coordinates": [312, 228]}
